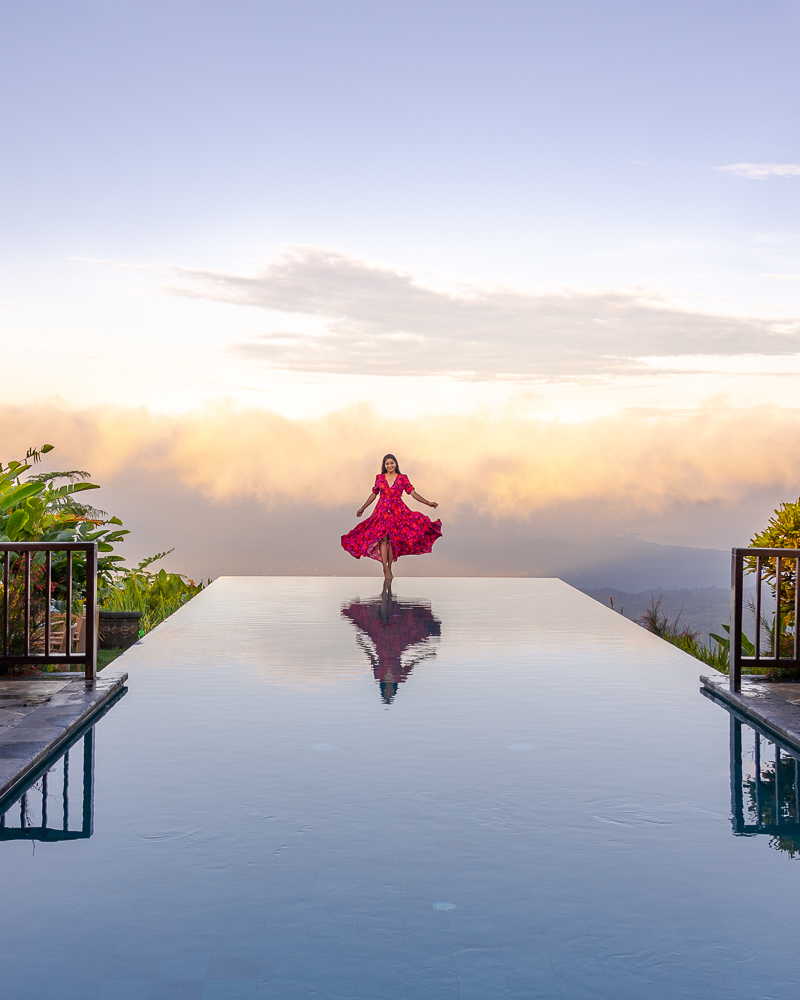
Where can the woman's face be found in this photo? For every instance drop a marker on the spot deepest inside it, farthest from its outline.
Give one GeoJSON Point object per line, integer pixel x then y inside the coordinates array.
{"type": "Point", "coordinates": [391, 465]}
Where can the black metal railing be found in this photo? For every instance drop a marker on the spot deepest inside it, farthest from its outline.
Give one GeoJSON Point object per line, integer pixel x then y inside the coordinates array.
{"type": "Point", "coordinates": [781, 567]}
{"type": "Point", "coordinates": [29, 624]}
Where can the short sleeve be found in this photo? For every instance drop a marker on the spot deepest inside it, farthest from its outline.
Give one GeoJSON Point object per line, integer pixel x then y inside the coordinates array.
{"type": "Point", "coordinates": [376, 488]}
{"type": "Point", "coordinates": [407, 487]}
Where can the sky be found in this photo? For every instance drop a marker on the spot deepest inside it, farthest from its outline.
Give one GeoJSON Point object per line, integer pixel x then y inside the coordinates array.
{"type": "Point", "coordinates": [547, 253]}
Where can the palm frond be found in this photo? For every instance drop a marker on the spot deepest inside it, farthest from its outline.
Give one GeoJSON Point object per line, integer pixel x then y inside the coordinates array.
{"type": "Point", "coordinates": [72, 475]}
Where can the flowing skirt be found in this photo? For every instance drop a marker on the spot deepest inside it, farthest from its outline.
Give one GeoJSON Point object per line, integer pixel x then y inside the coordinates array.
{"type": "Point", "coordinates": [411, 532]}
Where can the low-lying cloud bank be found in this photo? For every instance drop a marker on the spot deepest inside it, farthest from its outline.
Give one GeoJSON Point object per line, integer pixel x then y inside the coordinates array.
{"type": "Point", "coordinates": [381, 321]}
{"type": "Point", "coordinates": [492, 466]}
{"type": "Point", "coordinates": [247, 491]}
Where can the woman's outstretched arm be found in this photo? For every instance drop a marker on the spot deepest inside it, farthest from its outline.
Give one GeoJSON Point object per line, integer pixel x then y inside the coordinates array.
{"type": "Point", "coordinates": [429, 503]}
{"type": "Point", "coordinates": [370, 499]}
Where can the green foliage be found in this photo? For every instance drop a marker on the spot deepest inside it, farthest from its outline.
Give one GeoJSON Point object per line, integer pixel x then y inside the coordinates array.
{"type": "Point", "coordinates": [724, 642]}
{"type": "Point", "coordinates": [716, 656]}
{"type": "Point", "coordinates": [16, 604]}
{"type": "Point", "coordinates": [106, 656]}
{"type": "Point", "coordinates": [155, 595]}
{"type": "Point", "coordinates": [45, 507]}
{"type": "Point", "coordinates": [657, 622]}
{"type": "Point", "coordinates": [782, 532]}
{"type": "Point", "coordinates": [39, 510]}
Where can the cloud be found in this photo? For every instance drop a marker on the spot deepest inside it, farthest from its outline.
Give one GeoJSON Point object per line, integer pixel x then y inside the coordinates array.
{"type": "Point", "coordinates": [247, 491]}
{"type": "Point", "coordinates": [502, 465]}
{"type": "Point", "coordinates": [761, 171]}
{"type": "Point", "coordinates": [381, 321]}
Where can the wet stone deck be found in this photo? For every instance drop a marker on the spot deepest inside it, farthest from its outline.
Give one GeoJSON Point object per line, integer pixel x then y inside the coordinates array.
{"type": "Point", "coordinates": [773, 704]}
{"type": "Point", "coordinates": [38, 715]}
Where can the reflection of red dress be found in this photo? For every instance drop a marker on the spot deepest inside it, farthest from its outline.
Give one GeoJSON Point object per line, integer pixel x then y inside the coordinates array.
{"type": "Point", "coordinates": [411, 532]}
{"type": "Point", "coordinates": [392, 626]}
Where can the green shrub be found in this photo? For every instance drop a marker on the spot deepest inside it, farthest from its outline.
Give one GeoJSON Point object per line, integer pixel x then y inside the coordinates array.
{"type": "Point", "coordinates": [44, 507]}
{"type": "Point", "coordinates": [716, 656]}
{"type": "Point", "coordinates": [155, 595]}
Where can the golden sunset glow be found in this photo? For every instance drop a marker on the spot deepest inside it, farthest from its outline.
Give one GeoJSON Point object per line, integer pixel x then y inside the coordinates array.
{"type": "Point", "coordinates": [488, 465]}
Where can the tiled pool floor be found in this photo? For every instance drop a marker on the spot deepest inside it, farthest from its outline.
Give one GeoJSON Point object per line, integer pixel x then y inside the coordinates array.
{"type": "Point", "coordinates": [485, 789]}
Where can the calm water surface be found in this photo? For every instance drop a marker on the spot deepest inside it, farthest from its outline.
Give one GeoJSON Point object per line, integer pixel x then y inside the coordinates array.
{"type": "Point", "coordinates": [482, 789]}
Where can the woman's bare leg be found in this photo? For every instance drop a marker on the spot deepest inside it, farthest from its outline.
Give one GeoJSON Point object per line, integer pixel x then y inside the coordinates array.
{"type": "Point", "coordinates": [385, 548]}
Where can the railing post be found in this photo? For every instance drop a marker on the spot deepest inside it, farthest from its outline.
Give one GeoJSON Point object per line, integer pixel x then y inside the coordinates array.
{"type": "Point", "coordinates": [735, 642]}
{"type": "Point", "coordinates": [796, 643]}
{"type": "Point", "coordinates": [88, 783]}
{"type": "Point", "coordinates": [91, 614]}
{"type": "Point", "coordinates": [6, 604]}
{"type": "Point", "coordinates": [737, 806]}
{"type": "Point", "coordinates": [776, 642]}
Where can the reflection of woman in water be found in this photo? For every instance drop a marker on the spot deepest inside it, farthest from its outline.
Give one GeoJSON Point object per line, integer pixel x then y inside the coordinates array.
{"type": "Point", "coordinates": [392, 627]}
{"type": "Point", "coordinates": [392, 530]}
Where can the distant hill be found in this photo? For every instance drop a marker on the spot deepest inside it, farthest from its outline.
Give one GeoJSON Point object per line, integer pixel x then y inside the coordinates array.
{"type": "Point", "coordinates": [626, 564]}
{"type": "Point", "coordinates": [702, 610]}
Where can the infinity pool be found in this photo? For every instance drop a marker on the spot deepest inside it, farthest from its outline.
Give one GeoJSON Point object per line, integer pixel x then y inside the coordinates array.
{"type": "Point", "coordinates": [479, 789]}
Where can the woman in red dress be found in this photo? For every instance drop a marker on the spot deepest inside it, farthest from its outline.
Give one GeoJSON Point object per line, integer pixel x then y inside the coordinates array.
{"type": "Point", "coordinates": [392, 530]}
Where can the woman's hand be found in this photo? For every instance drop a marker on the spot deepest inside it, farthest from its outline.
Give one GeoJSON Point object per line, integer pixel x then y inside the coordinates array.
{"type": "Point", "coordinates": [432, 504]}
{"type": "Point", "coordinates": [359, 513]}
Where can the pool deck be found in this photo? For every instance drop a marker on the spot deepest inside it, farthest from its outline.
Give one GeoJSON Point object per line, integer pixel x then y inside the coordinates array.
{"type": "Point", "coordinates": [39, 714]}
{"type": "Point", "coordinates": [775, 705]}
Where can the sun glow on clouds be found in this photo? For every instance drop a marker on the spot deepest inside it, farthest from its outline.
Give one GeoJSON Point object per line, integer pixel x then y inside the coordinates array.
{"type": "Point", "coordinates": [489, 465]}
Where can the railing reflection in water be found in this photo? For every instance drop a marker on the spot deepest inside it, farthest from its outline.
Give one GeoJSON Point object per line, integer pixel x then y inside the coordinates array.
{"type": "Point", "coordinates": [765, 785]}
{"type": "Point", "coordinates": [58, 804]}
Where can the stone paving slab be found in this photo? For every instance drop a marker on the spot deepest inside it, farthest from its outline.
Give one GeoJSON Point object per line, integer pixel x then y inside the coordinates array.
{"type": "Point", "coordinates": [773, 705]}
{"type": "Point", "coordinates": [37, 716]}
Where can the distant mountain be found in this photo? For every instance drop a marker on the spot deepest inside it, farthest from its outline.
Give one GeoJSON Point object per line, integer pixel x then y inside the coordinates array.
{"type": "Point", "coordinates": [633, 565]}
{"type": "Point", "coordinates": [703, 610]}
{"type": "Point", "coordinates": [625, 564]}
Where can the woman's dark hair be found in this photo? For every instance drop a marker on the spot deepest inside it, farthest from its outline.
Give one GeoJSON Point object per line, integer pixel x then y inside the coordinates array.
{"type": "Point", "coordinates": [396, 464]}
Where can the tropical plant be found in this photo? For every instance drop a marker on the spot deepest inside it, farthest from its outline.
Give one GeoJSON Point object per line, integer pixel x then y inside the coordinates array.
{"type": "Point", "coordinates": [17, 600]}
{"type": "Point", "coordinates": [39, 510]}
{"type": "Point", "coordinates": [723, 648]}
{"type": "Point", "coordinates": [44, 508]}
{"type": "Point", "coordinates": [657, 622]}
{"type": "Point", "coordinates": [782, 532]}
{"type": "Point", "coordinates": [724, 642]}
{"type": "Point", "coordinates": [155, 595]}
{"type": "Point", "coordinates": [716, 656]}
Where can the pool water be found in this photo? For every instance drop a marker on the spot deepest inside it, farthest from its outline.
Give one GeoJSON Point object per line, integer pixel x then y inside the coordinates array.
{"type": "Point", "coordinates": [478, 789]}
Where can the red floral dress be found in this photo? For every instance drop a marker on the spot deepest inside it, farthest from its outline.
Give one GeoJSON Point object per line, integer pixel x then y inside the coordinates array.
{"type": "Point", "coordinates": [411, 532]}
